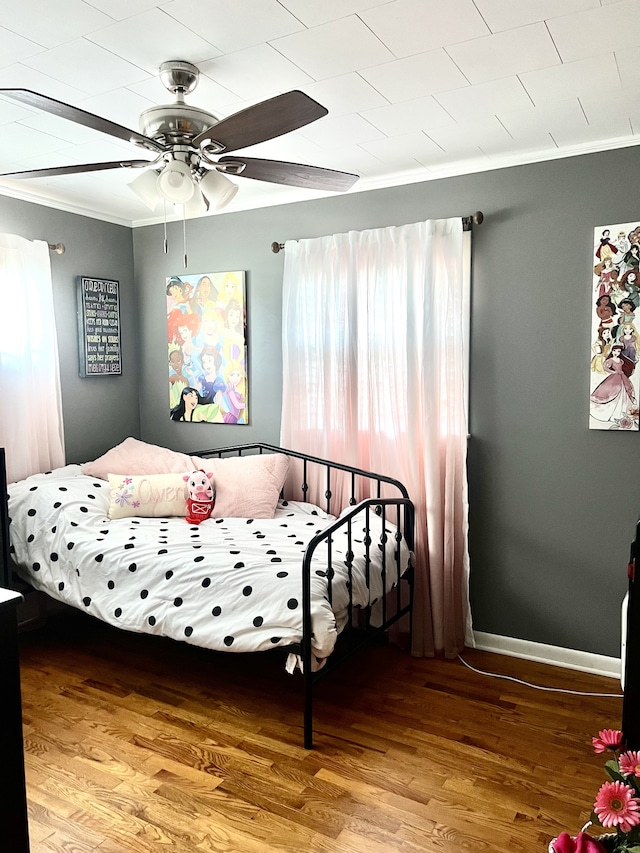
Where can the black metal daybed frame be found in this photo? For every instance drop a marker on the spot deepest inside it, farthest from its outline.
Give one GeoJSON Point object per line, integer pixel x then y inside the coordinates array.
{"type": "Point", "coordinates": [359, 630]}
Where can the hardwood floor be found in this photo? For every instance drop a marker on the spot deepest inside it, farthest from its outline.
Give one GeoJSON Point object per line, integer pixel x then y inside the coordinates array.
{"type": "Point", "coordinates": [137, 745]}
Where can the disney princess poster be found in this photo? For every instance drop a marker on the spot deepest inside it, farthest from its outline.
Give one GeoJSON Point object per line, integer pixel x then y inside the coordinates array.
{"type": "Point", "coordinates": [615, 302]}
{"type": "Point", "coordinates": [207, 348]}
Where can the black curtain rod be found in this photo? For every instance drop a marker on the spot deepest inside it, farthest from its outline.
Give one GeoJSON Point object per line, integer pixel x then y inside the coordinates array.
{"type": "Point", "coordinates": [468, 222]}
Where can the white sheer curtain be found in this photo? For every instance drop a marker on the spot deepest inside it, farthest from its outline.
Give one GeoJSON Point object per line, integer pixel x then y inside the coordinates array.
{"type": "Point", "coordinates": [375, 349]}
{"type": "Point", "coordinates": [31, 413]}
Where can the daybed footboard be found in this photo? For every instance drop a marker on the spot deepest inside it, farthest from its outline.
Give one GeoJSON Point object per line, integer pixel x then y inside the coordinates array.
{"type": "Point", "coordinates": [374, 526]}
{"type": "Point", "coordinates": [390, 591]}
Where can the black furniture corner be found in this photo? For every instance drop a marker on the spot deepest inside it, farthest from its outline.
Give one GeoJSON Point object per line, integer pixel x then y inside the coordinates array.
{"type": "Point", "coordinates": [14, 829]}
{"type": "Point", "coordinates": [631, 701]}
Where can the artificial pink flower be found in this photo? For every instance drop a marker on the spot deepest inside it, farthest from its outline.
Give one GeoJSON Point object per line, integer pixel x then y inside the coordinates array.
{"type": "Point", "coordinates": [630, 763]}
{"type": "Point", "coordinates": [607, 739]}
{"type": "Point", "coordinates": [617, 806]}
{"type": "Point", "coordinates": [582, 843]}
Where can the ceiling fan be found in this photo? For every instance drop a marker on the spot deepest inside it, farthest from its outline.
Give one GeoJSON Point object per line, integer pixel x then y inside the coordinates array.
{"type": "Point", "coordinates": [186, 143]}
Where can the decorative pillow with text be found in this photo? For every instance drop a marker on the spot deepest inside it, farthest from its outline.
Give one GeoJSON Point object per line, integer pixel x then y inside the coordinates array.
{"type": "Point", "coordinates": [147, 496]}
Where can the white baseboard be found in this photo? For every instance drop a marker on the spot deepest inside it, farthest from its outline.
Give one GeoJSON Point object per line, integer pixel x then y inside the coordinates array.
{"type": "Point", "coordinates": [554, 655]}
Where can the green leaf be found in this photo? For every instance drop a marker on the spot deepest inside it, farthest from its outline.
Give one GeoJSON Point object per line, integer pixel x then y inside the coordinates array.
{"type": "Point", "coordinates": [613, 771]}
{"type": "Point", "coordinates": [634, 849]}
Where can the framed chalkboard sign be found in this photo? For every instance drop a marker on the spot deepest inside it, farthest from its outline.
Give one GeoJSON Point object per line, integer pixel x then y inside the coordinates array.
{"type": "Point", "coordinates": [99, 326]}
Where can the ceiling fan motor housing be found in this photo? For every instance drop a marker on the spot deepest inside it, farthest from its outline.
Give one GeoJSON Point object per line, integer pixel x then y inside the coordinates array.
{"type": "Point", "coordinates": [175, 124]}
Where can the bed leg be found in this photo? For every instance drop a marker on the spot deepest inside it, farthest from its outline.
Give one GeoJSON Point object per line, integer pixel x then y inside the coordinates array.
{"type": "Point", "coordinates": [308, 711]}
{"type": "Point", "coordinates": [412, 581]}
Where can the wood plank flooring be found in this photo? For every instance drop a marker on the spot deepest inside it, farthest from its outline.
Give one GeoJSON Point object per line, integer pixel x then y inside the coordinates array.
{"type": "Point", "coordinates": [138, 745]}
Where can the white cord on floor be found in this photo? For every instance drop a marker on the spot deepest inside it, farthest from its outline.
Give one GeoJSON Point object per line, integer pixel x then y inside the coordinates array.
{"type": "Point", "coordinates": [537, 686]}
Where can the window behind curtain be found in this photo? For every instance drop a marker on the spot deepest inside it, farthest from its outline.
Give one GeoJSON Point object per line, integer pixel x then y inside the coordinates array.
{"type": "Point", "coordinates": [372, 329]}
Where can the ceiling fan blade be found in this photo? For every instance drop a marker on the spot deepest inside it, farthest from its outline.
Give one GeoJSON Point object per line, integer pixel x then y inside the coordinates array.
{"type": "Point", "coordinates": [58, 108]}
{"type": "Point", "coordinates": [76, 170]}
{"type": "Point", "coordinates": [263, 121]}
{"type": "Point", "coordinates": [292, 174]}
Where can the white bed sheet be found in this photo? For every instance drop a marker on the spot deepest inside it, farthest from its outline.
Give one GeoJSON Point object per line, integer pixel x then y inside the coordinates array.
{"type": "Point", "coordinates": [227, 584]}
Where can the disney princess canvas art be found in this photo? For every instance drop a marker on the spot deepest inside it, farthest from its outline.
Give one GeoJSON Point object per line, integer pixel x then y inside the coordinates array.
{"type": "Point", "coordinates": [207, 348]}
{"type": "Point", "coordinates": [615, 297]}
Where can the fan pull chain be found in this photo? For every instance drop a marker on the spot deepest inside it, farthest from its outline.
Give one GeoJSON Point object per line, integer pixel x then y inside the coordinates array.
{"type": "Point", "coordinates": [166, 242]}
{"type": "Point", "coordinates": [184, 234]}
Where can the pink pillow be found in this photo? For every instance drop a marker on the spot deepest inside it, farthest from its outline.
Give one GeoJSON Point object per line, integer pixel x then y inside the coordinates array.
{"type": "Point", "coordinates": [246, 486]}
{"type": "Point", "coordinates": [138, 457]}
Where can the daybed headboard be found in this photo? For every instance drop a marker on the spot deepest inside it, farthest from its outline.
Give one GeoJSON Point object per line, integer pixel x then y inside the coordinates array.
{"type": "Point", "coordinates": [314, 479]}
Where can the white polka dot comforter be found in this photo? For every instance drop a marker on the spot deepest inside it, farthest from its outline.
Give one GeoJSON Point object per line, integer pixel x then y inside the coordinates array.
{"type": "Point", "coordinates": [229, 584]}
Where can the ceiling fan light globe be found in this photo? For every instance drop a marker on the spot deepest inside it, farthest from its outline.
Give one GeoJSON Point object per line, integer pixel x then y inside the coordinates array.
{"type": "Point", "coordinates": [175, 182]}
{"type": "Point", "coordinates": [146, 188]}
{"type": "Point", "coordinates": [228, 196]}
{"type": "Point", "coordinates": [220, 191]}
{"type": "Point", "coordinates": [196, 206]}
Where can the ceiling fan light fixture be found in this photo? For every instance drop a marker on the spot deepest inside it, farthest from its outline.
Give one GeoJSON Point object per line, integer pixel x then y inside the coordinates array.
{"type": "Point", "coordinates": [220, 191]}
{"type": "Point", "coordinates": [145, 186]}
{"type": "Point", "coordinates": [175, 182]}
{"type": "Point", "coordinates": [196, 206]}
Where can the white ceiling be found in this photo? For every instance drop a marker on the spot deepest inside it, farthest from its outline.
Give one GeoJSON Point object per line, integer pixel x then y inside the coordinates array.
{"type": "Point", "coordinates": [416, 89]}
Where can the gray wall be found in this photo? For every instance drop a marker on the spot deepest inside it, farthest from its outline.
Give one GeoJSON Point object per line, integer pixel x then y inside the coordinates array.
{"type": "Point", "coordinates": [553, 505]}
{"type": "Point", "coordinates": [97, 411]}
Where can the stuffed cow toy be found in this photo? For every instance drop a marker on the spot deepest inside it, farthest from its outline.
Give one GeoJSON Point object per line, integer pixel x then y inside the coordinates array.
{"type": "Point", "coordinates": [202, 496]}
